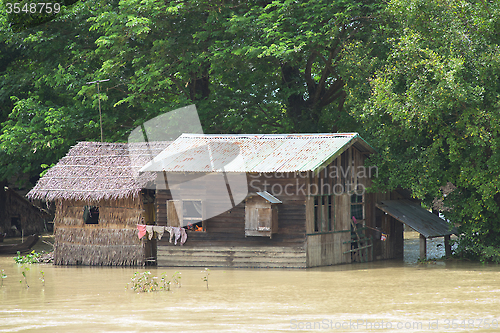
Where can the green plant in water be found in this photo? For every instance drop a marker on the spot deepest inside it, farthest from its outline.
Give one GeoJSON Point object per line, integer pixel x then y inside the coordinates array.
{"type": "Point", "coordinates": [165, 282]}
{"type": "Point", "coordinates": [177, 278]}
{"type": "Point", "coordinates": [42, 278]}
{"type": "Point", "coordinates": [205, 277]}
{"type": "Point", "coordinates": [144, 282]}
{"type": "Point", "coordinates": [3, 275]}
{"type": "Point", "coordinates": [25, 269]}
{"type": "Point", "coordinates": [31, 258]}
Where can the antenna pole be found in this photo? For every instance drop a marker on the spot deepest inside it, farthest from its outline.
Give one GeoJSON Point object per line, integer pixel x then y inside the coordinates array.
{"type": "Point", "coordinates": [100, 114]}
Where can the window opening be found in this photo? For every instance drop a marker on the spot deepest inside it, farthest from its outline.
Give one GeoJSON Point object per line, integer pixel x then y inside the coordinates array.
{"type": "Point", "coordinates": [192, 211]}
{"type": "Point", "coordinates": [91, 214]}
{"type": "Point", "coordinates": [323, 215]}
{"type": "Point", "coordinates": [357, 205]}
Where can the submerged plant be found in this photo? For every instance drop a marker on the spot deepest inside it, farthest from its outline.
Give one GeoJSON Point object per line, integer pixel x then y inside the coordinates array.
{"type": "Point", "coordinates": [205, 277]}
{"type": "Point", "coordinates": [177, 278]}
{"type": "Point", "coordinates": [165, 282]}
{"type": "Point", "coordinates": [144, 282]}
{"type": "Point", "coordinates": [3, 275]}
{"type": "Point", "coordinates": [25, 269]}
{"type": "Point", "coordinates": [42, 278]}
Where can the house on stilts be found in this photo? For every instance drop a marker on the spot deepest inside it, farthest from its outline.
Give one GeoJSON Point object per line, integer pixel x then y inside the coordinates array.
{"type": "Point", "coordinates": [100, 198]}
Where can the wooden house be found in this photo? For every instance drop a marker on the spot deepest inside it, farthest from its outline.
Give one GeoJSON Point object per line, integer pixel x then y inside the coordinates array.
{"type": "Point", "coordinates": [100, 199]}
{"type": "Point", "coordinates": [20, 217]}
{"type": "Point", "coordinates": [303, 202]}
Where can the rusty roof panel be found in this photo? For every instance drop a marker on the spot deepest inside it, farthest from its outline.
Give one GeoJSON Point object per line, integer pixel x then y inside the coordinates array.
{"type": "Point", "coordinates": [251, 153]}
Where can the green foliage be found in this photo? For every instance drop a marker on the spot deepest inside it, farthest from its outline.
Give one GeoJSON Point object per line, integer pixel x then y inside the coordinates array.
{"type": "Point", "coordinates": [42, 277]}
{"type": "Point", "coordinates": [434, 113]}
{"type": "Point", "coordinates": [165, 282]}
{"type": "Point", "coordinates": [146, 282]}
{"type": "Point", "coordinates": [250, 67]}
{"type": "Point", "coordinates": [23, 273]}
{"type": "Point", "coordinates": [3, 275]}
{"type": "Point", "coordinates": [176, 278]}
{"type": "Point", "coordinates": [31, 258]}
{"type": "Point", "coordinates": [205, 276]}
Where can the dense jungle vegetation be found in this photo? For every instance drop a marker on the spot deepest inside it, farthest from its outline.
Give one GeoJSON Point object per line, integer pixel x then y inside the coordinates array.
{"type": "Point", "coordinates": [418, 79]}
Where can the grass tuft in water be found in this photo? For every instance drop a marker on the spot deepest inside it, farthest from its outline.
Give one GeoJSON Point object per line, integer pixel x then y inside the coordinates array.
{"type": "Point", "coordinates": [25, 269]}
{"type": "Point", "coordinates": [42, 278]}
{"type": "Point", "coordinates": [205, 277]}
{"type": "Point", "coordinates": [146, 282]}
{"type": "Point", "coordinates": [3, 275]}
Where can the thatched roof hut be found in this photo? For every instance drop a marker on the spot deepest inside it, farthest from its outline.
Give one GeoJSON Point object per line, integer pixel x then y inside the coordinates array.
{"type": "Point", "coordinates": [103, 180]}
{"type": "Point", "coordinates": [94, 171]}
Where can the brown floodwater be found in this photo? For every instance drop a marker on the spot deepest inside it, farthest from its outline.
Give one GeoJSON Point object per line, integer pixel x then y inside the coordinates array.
{"type": "Point", "coordinates": [388, 296]}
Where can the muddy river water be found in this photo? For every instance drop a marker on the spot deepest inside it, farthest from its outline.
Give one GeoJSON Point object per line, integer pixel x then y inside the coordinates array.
{"type": "Point", "coordinates": [388, 296]}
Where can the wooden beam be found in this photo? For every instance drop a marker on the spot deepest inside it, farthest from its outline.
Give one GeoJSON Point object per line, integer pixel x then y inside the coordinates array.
{"type": "Point", "coordinates": [447, 246]}
{"type": "Point", "coordinates": [423, 247]}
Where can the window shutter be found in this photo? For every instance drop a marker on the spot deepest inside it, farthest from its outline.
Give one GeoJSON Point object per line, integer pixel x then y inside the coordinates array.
{"type": "Point", "coordinates": [174, 213]}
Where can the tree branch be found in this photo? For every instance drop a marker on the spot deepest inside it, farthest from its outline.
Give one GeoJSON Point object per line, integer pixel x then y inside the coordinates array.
{"type": "Point", "coordinates": [311, 85]}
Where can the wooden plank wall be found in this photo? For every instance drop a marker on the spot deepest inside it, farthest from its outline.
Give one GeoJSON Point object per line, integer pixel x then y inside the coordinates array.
{"type": "Point", "coordinates": [295, 218]}
{"type": "Point", "coordinates": [328, 248]}
{"type": "Point", "coordinates": [393, 247]}
{"type": "Point", "coordinates": [227, 230]}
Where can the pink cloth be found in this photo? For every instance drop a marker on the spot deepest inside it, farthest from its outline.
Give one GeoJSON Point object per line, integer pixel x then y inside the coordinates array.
{"type": "Point", "coordinates": [142, 230]}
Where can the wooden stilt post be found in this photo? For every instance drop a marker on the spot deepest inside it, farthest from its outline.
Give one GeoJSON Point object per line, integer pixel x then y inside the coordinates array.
{"type": "Point", "coordinates": [447, 246]}
{"type": "Point", "coordinates": [423, 247]}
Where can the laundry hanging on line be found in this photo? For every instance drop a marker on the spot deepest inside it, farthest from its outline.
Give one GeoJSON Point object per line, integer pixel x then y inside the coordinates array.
{"type": "Point", "coordinates": [176, 233]}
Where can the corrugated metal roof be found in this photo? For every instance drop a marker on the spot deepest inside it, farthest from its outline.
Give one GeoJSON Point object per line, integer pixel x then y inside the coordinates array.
{"type": "Point", "coordinates": [253, 153]}
{"type": "Point", "coordinates": [269, 197]}
{"type": "Point", "coordinates": [419, 219]}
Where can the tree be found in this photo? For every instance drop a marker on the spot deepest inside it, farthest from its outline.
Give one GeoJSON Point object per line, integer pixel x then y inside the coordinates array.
{"type": "Point", "coordinates": [46, 104]}
{"type": "Point", "coordinates": [250, 67]}
{"type": "Point", "coordinates": [434, 113]}
{"type": "Point", "coordinates": [261, 66]}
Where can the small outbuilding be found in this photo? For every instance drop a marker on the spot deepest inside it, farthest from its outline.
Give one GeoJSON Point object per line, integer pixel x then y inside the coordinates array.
{"type": "Point", "coordinates": [100, 199]}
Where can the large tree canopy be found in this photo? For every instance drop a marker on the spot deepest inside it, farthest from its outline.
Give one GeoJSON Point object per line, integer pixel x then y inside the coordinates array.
{"type": "Point", "coordinates": [249, 66]}
{"type": "Point", "coordinates": [434, 112]}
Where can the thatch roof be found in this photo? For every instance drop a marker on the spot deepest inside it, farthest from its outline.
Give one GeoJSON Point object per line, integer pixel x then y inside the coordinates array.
{"type": "Point", "coordinates": [93, 171]}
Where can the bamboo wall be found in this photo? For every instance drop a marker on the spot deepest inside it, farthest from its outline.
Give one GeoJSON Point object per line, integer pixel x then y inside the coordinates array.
{"type": "Point", "coordinates": [112, 242]}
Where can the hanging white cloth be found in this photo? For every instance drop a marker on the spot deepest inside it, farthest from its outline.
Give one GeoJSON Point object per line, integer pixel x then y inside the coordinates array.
{"type": "Point", "coordinates": [159, 230]}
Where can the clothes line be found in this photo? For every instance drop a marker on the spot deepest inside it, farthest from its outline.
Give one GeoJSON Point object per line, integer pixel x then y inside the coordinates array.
{"type": "Point", "coordinates": [176, 233]}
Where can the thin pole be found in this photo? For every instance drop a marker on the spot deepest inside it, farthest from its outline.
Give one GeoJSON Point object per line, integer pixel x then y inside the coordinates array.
{"type": "Point", "coordinates": [100, 114]}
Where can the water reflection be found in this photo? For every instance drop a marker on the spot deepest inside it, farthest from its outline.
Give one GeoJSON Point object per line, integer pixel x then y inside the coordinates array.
{"type": "Point", "coordinates": [94, 299]}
